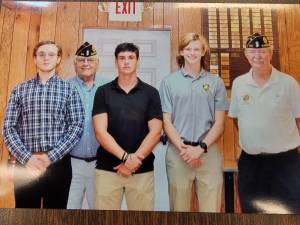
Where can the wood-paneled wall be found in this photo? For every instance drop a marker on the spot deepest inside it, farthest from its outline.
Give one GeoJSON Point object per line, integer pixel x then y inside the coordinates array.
{"type": "Point", "coordinates": [22, 27]}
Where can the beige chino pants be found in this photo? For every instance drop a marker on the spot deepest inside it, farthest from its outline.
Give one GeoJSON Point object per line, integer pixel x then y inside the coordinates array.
{"type": "Point", "coordinates": [110, 188]}
{"type": "Point", "coordinates": [208, 179]}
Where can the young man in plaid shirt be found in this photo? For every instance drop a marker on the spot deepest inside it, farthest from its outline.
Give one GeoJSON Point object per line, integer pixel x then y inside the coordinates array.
{"type": "Point", "coordinates": [43, 121]}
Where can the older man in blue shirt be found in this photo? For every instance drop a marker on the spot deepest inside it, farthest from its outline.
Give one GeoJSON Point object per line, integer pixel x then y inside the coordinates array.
{"type": "Point", "coordinates": [83, 156]}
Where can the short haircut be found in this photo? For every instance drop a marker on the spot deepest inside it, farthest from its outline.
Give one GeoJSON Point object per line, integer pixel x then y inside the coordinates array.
{"type": "Point", "coordinates": [185, 41]}
{"type": "Point", "coordinates": [59, 49]}
{"type": "Point", "coordinates": [127, 47]}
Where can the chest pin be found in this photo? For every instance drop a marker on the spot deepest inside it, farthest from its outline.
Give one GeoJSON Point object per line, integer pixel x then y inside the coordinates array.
{"type": "Point", "coordinates": [205, 87]}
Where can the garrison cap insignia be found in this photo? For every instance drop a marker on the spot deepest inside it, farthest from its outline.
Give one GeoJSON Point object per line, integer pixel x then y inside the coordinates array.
{"type": "Point", "coordinates": [257, 41]}
{"type": "Point", "coordinates": [86, 50]}
{"type": "Point", "coordinates": [205, 87]}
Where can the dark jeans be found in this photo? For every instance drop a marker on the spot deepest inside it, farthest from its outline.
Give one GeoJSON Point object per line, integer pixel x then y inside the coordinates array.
{"type": "Point", "coordinates": [51, 190]}
{"type": "Point", "coordinates": [269, 181]}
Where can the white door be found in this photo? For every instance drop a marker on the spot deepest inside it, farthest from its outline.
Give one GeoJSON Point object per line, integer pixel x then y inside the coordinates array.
{"type": "Point", "coordinates": [155, 58]}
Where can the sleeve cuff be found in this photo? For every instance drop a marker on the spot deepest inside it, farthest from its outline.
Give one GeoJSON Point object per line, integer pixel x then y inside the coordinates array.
{"type": "Point", "coordinates": [52, 156]}
{"type": "Point", "coordinates": [25, 158]}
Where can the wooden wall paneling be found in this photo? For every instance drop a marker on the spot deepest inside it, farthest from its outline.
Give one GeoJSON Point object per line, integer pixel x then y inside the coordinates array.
{"type": "Point", "coordinates": [33, 39]}
{"type": "Point", "coordinates": [147, 18]}
{"type": "Point", "coordinates": [102, 19]}
{"type": "Point", "coordinates": [17, 68]}
{"type": "Point", "coordinates": [295, 68]}
{"type": "Point", "coordinates": [158, 15]}
{"type": "Point", "coordinates": [293, 39]}
{"type": "Point", "coordinates": [132, 25]}
{"type": "Point", "coordinates": [171, 22]}
{"type": "Point", "coordinates": [237, 148]}
{"type": "Point", "coordinates": [66, 35]}
{"type": "Point", "coordinates": [228, 149]}
{"type": "Point", "coordinates": [116, 24]}
{"type": "Point", "coordinates": [292, 24]}
{"type": "Point", "coordinates": [190, 20]}
{"type": "Point", "coordinates": [88, 18]}
{"type": "Point", "coordinates": [237, 205]}
{"type": "Point", "coordinates": [282, 39]}
{"type": "Point", "coordinates": [2, 10]}
{"type": "Point", "coordinates": [19, 48]}
{"type": "Point", "coordinates": [48, 22]}
{"type": "Point", "coordinates": [5, 52]}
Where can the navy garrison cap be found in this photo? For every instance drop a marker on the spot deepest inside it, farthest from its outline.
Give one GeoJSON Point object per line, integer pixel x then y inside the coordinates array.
{"type": "Point", "coordinates": [257, 41]}
{"type": "Point", "coordinates": [86, 50]}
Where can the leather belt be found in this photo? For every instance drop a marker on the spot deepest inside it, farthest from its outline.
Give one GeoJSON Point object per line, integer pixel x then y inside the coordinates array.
{"type": "Point", "coordinates": [90, 159]}
{"type": "Point", "coordinates": [192, 143]}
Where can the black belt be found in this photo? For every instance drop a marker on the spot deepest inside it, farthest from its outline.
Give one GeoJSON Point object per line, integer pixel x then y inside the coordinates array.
{"type": "Point", "coordinates": [90, 159]}
{"type": "Point", "coordinates": [192, 143]}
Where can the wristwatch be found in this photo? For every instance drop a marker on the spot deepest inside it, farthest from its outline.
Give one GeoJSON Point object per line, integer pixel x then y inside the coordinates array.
{"type": "Point", "coordinates": [203, 145]}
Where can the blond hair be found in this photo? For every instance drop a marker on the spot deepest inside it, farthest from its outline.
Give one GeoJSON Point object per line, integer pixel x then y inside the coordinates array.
{"type": "Point", "coordinates": [185, 40]}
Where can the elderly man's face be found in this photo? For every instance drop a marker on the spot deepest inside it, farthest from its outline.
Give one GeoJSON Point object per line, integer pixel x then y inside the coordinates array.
{"type": "Point", "coordinates": [259, 58]}
{"type": "Point", "coordinates": [86, 66]}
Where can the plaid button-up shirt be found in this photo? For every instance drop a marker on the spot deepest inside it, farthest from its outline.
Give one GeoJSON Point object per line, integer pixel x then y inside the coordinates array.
{"type": "Point", "coordinates": [43, 118]}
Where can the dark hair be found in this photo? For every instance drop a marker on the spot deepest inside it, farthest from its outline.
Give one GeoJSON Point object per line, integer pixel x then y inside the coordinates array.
{"type": "Point", "coordinates": [127, 47]}
{"type": "Point", "coordinates": [59, 50]}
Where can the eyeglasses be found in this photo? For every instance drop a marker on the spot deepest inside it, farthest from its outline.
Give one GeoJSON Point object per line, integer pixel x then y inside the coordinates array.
{"type": "Point", "coordinates": [86, 59]}
{"type": "Point", "coordinates": [44, 54]}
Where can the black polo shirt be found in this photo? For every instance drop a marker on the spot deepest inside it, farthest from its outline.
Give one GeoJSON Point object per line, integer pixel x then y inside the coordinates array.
{"type": "Point", "coordinates": [128, 116]}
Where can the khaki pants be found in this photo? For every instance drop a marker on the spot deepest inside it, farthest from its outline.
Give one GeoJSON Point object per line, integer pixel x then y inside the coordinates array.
{"type": "Point", "coordinates": [208, 179]}
{"type": "Point", "coordinates": [110, 187]}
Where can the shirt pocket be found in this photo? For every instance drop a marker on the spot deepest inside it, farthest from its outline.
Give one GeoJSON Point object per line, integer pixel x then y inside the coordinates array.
{"type": "Point", "coordinates": [280, 104]}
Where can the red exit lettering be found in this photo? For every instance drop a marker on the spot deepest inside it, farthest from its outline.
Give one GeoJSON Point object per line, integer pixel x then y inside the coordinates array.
{"type": "Point", "coordinates": [125, 7]}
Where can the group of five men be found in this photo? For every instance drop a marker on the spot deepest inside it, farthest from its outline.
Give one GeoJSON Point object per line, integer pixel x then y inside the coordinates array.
{"type": "Point", "coordinates": [61, 131]}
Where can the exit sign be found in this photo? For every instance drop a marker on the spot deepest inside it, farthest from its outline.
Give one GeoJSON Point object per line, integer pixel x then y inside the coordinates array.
{"type": "Point", "coordinates": [125, 11]}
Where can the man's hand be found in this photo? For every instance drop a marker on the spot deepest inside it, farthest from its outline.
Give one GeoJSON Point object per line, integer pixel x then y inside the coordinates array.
{"type": "Point", "coordinates": [44, 158]}
{"type": "Point", "coordinates": [182, 148]}
{"type": "Point", "coordinates": [134, 161]}
{"type": "Point", "coordinates": [195, 163]}
{"type": "Point", "coordinates": [122, 170]}
{"type": "Point", "coordinates": [191, 153]}
{"type": "Point", "coordinates": [37, 164]}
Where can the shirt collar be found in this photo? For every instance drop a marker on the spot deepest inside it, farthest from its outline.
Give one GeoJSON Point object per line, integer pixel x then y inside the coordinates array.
{"type": "Point", "coordinates": [201, 74]}
{"type": "Point", "coordinates": [273, 78]}
{"type": "Point", "coordinates": [50, 80]}
{"type": "Point", "coordinates": [136, 87]}
{"type": "Point", "coordinates": [82, 83]}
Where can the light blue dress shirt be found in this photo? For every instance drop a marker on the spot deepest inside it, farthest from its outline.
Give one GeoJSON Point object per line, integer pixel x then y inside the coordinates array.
{"type": "Point", "coordinates": [88, 144]}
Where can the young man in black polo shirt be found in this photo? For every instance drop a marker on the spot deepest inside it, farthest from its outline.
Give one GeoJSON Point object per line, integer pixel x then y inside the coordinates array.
{"type": "Point", "coordinates": [127, 118]}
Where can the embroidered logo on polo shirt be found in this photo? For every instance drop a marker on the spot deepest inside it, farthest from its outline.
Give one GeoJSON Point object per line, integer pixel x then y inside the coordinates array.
{"type": "Point", "coordinates": [246, 98]}
{"type": "Point", "coordinates": [205, 87]}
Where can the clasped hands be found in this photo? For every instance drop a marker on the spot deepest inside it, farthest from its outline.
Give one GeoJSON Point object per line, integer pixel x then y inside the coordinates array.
{"type": "Point", "coordinates": [38, 163]}
{"type": "Point", "coordinates": [127, 168]}
{"type": "Point", "coordinates": [191, 155]}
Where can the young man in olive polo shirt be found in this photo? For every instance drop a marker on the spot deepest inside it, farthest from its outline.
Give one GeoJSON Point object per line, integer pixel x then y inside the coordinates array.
{"type": "Point", "coordinates": [127, 118]}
